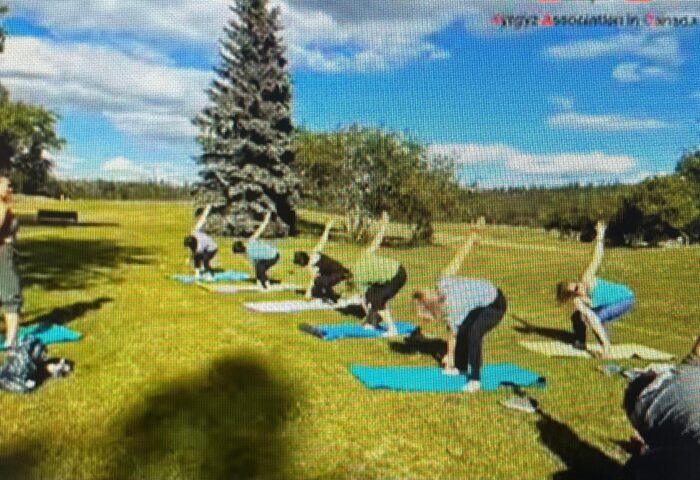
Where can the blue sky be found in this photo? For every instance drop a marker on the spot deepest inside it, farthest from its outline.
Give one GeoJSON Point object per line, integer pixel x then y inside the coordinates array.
{"type": "Point", "coordinates": [540, 106]}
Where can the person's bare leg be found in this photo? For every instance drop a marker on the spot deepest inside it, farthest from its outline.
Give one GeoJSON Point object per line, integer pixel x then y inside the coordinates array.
{"type": "Point", "coordinates": [12, 324]}
{"type": "Point", "coordinates": [386, 317]}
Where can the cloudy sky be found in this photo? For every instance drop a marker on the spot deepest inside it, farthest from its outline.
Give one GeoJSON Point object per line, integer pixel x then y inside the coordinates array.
{"type": "Point", "coordinates": [534, 106]}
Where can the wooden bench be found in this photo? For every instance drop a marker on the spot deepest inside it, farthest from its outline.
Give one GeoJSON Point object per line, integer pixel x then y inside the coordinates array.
{"type": "Point", "coordinates": [59, 216]}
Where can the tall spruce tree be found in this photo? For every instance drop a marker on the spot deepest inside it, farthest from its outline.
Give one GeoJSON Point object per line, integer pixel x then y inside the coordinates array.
{"type": "Point", "coordinates": [246, 131]}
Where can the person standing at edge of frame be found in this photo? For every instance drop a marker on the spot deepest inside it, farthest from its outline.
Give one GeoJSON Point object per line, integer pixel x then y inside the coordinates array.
{"type": "Point", "coordinates": [10, 287]}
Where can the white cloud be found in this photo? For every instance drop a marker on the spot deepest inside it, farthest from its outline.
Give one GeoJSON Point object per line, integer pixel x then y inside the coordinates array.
{"type": "Point", "coordinates": [604, 123]}
{"type": "Point", "coordinates": [124, 169]}
{"type": "Point", "coordinates": [633, 72]}
{"type": "Point", "coordinates": [660, 48]}
{"type": "Point", "coordinates": [541, 164]}
{"type": "Point", "coordinates": [142, 98]}
{"type": "Point", "coordinates": [562, 102]}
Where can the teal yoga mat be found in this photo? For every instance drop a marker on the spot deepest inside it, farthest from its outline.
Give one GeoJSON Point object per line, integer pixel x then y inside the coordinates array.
{"type": "Point", "coordinates": [432, 379]}
{"type": "Point", "coordinates": [229, 276]}
{"type": "Point", "coordinates": [352, 330]}
{"type": "Point", "coordinates": [47, 333]}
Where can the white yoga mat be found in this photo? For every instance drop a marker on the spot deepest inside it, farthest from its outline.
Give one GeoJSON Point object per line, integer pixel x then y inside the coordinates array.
{"type": "Point", "coordinates": [293, 306]}
{"type": "Point", "coordinates": [617, 352]}
{"type": "Point", "coordinates": [230, 289]}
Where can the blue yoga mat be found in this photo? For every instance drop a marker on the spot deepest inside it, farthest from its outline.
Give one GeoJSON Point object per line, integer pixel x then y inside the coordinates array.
{"type": "Point", "coordinates": [431, 379]}
{"type": "Point", "coordinates": [47, 333]}
{"type": "Point", "coordinates": [218, 277]}
{"type": "Point", "coordinates": [353, 330]}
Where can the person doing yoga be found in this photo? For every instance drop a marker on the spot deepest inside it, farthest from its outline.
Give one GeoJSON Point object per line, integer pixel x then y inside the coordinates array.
{"type": "Point", "coordinates": [202, 247]}
{"type": "Point", "coordinates": [596, 301]}
{"type": "Point", "coordinates": [262, 255]}
{"type": "Point", "coordinates": [381, 278]}
{"type": "Point", "coordinates": [326, 272]}
{"type": "Point", "coordinates": [471, 307]}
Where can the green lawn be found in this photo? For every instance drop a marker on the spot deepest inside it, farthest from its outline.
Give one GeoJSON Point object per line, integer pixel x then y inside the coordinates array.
{"type": "Point", "coordinates": [174, 383]}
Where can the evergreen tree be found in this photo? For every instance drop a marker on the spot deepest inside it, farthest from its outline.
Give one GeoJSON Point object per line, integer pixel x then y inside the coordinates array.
{"type": "Point", "coordinates": [246, 131]}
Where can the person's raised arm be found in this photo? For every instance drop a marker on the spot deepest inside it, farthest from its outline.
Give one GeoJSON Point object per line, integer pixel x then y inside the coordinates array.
{"type": "Point", "coordinates": [262, 227]}
{"type": "Point", "coordinates": [592, 320]}
{"type": "Point", "coordinates": [380, 234]}
{"type": "Point", "coordinates": [202, 219]}
{"type": "Point", "coordinates": [458, 260]}
{"type": "Point", "coordinates": [324, 238]}
{"type": "Point", "coordinates": [590, 273]}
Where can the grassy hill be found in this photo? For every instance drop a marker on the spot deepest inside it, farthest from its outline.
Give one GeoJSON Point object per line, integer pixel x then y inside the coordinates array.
{"type": "Point", "coordinates": [174, 383]}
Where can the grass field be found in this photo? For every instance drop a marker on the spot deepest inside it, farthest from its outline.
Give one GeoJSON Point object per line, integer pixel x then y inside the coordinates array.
{"type": "Point", "coordinates": [174, 383]}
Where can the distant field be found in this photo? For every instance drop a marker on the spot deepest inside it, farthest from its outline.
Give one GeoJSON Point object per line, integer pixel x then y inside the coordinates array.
{"type": "Point", "coordinates": [175, 383]}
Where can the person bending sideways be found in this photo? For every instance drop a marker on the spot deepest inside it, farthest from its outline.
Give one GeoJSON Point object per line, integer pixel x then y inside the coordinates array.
{"type": "Point", "coordinates": [382, 279]}
{"type": "Point", "coordinates": [471, 307]}
{"type": "Point", "coordinates": [202, 248]}
{"type": "Point", "coordinates": [664, 409]}
{"type": "Point", "coordinates": [262, 255]}
{"type": "Point", "coordinates": [10, 287]}
{"type": "Point", "coordinates": [595, 301]}
{"type": "Point", "coordinates": [326, 272]}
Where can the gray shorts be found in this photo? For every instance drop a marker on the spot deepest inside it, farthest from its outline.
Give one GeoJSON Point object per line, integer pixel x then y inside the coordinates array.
{"type": "Point", "coordinates": [10, 288]}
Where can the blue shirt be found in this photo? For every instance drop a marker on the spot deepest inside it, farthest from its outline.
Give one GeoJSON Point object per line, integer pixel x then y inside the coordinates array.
{"type": "Point", "coordinates": [462, 295]}
{"type": "Point", "coordinates": [258, 250]}
{"type": "Point", "coordinates": [606, 293]}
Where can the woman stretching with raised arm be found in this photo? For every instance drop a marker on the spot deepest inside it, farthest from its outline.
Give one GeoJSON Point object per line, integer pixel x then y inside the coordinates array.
{"type": "Point", "coordinates": [326, 272]}
{"type": "Point", "coordinates": [596, 301]}
{"type": "Point", "coordinates": [470, 307]}
{"type": "Point", "coordinates": [381, 278]}
{"type": "Point", "coordinates": [262, 255]}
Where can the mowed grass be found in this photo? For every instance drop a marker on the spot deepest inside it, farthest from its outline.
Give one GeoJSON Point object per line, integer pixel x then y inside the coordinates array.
{"type": "Point", "coordinates": [174, 383]}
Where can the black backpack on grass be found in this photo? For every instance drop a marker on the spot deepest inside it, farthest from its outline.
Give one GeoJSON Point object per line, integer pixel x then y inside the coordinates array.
{"type": "Point", "coordinates": [23, 367]}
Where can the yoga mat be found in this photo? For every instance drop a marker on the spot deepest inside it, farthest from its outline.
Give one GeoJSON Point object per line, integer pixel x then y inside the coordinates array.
{"type": "Point", "coordinates": [293, 306]}
{"type": "Point", "coordinates": [231, 289]}
{"type": "Point", "coordinates": [617, 352]}
{"type": "Point", "coordinates": [47, 333]}
{"type": "Point", "coordinates": [352, 330]}
{"type": "Point", "coordinates": [431, 379]}
{"type": "Point", "coordinates": [218, 277]}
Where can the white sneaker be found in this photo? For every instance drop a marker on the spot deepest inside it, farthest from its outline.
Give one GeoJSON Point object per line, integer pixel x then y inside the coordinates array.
{"type": "Point", "coordinates": [450, 371]}
{"type": "Point", "coordinates": [472, 386]}
{"type": "Point", "coordinates": [368, 326]}
{"type": "Point", "coordinates": [208, 277]}
{"type": "Point", "coordinates": [390, 333]}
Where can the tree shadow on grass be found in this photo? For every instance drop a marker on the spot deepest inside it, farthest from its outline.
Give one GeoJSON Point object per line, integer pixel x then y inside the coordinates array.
{"type": "Point", "coordinates": [66, 264]}
{"type": "Point", "coordinates": [583, 461]}
{"type": "Point", "coordinates": [221, 425]}
{"type": "Point", "coordinates": [17, 463]}
{"type": "Point", "coordinates": [528, 328]}
{"type": "Point", "coordinates": [31, 221]}
{"type": "Point", "coordinates": [63, 315]}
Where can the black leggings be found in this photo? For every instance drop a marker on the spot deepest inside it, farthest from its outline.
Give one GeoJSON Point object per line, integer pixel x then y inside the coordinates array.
{"type": "Point", "coordinates": [378, 295]}
{"type": "Point", "coordinates": [261, 268]}
{"type": "Point", "coordinates": [471, 334]}
{"type": "Point", "coordinates": [203, 259]}
{"type": "Point", "coordinates": [323, 286]}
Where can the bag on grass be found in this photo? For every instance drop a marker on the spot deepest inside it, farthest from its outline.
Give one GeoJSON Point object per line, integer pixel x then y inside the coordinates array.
{"type": "Point", "coordinates": [23, 366]}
